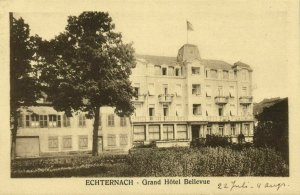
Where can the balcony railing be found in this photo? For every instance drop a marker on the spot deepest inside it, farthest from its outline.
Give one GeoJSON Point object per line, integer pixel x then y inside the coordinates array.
{"type": "Point", "coordinates": [165, 98]}
{"type": "Point", "coordinates": [194, 118]}
{"type": "Point", "coordinates": [229, 118]}
{"type": "Point", "coordinates": [246, 99]}
{"type": "Point", "coordinates": [221, 99]}
{"type": "Point", "coordinates": [139, 98]}
{"type": "Point", "coordinates": [157, 118]}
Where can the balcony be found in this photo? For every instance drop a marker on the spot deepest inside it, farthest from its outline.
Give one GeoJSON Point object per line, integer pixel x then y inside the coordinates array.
{"type": "Point", "coordinates": [241, 118]}
{"type": "Point", "coordinates": [229, 118]}
{"type": "Point", "coordinates": [217, 118]}
{"type": "Point", "coordinates": [246, 100]}
{"type": "Point", "coordinates": [139, 99]}
{"type": "Point", "coordinates": [157, 118]}
{"type": "Point", "coordinates": [221, 100]}
{"type": "Point", "coordinates": [165, 98]}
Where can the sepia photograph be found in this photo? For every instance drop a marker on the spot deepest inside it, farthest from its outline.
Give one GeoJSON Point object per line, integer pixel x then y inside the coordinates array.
{"type": "Point", "coordinates": [172, 93]}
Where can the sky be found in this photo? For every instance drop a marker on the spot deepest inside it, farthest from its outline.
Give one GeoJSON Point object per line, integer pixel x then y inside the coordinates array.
{"type": "Point", "coordinates": [254, 32]}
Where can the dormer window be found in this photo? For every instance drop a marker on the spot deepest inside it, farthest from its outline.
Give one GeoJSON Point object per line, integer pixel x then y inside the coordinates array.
{"type": "Point", "coordinates": [178, 72]}
{"type": "Point", "coordinates": [213, 74]}
{"type": "Point", "coordinates": [164, 71]}
{"type": "Point", "coordinates": [225, 74]}
{"type": "Point", "coordinates": [157, 70]}
{"type": "Point", "coordinates": [171, 71]}
{"type": "Point", "coordinates": [206, 73]}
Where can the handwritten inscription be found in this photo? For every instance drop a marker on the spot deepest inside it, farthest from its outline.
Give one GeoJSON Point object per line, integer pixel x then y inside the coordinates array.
{"type": "Point", "coordinates": [235, 185]}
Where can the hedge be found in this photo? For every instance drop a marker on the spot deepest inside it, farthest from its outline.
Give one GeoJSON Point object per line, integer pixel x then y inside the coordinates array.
{"type": "Point", "coordinates": [70, 166]}
{"type": "Point", "coordinates": [207, 161]}
{"type": "Point", "coordinates": [155, 162]}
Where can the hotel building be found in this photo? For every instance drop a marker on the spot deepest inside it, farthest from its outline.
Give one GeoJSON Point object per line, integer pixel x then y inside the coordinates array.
{"type": "Point", "coordinates": [177, 100]}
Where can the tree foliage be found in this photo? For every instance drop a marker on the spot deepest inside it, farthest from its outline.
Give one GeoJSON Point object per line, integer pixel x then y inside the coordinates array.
{"type": "Point", "coordinates": [88, 66]}
{"type": "Point", "coordinates": [272, 128]}
{"type": "Point", "coordinates": [24, 86]}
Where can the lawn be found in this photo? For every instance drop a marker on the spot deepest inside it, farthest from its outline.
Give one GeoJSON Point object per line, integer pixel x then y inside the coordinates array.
{"type": "Point", "coordinates": [147, 162]}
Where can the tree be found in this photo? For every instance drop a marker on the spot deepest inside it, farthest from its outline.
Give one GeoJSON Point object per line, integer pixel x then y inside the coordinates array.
{"type": "Point", "coordinates": [87, 67]}
{"type": "Point", "coordinates": [24, 88]}
{"type": "Point", "coordinates": [272, 128]}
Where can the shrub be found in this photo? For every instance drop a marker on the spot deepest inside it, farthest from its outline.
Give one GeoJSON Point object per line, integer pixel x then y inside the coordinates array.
{"type": "Point", "coordinates": [207, 161]}
{"type": "Point", "coordinates": [216, 140]}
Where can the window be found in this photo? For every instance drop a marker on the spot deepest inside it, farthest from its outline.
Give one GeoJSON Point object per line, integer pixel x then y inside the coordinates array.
{"type": "Point", "coordinates": [181, 132]}
{"type": "Point", "coordinates": [165, 89]}
{"type": "Point", "coordinates": [153, 132]}
{"type": "Point", "coordinates": [220, 90]}
{"type": "Point", "coordinates": [157, 70]}
{"type": "Point", "coordinates": [171, 71]}
{"type": "Point", "coordinates": [20, 121]}
{"type": "Point", "coordinates": [178, 110]}
{"type": "Point", "coordinates": [232, 109]}
{"type": "Point", "coordinates": [43, 121]}
{"type": "Point", "coordinates": [123, 140]}
{"type": "Point", "coordinates": [168, 132]}
{"type": "Point", "coordinates": [213, 74]}
{"type": "Point", "coordinates": [67, 142]}
{"type": "Point", "coordinates": [151, 89]}
{"type": "Point", "coordinates": [196, 89]}
{"type": "Point", "coordinates": [136, 92]}
{"type": "Point", "coordinates": [244, 76]}
{"type": "Point", "coordinates": [231, 91]}
{"type": "Point", "coordinates": [34, 120]}
{"type": "Point", "coordinates": [151, 110]}
{"type": "Point", "coordinates": [53, 121]}
{"type": "Point", "coordinates": [247, 129]}
{"type": "Point", "coordinates": [138, 110]}
{"type": "Point", "coordinates": [197, 109]}
{"type": "Point", "coordinates": [139, 133]}
{"type": "Point", "coordinates": [66, 121]}
{"type": "Point", "coordinates": [83, 142]}
{"type": "Point", "coordinates": [225, 74]}
{"type": "Point", "coordinates": [178, 89]}
{"type": "Point", "coordinates": [178, 72]}
{"type": "Point", "coordinates": [164, 71]}
{"type": "Point", "coordinates": [244, 110]}
{"type": "Point", "coordinates": [220, 75]}
{"type": "Point", "coordinates": [195, 70]}
{"type": "Point", "coordinates": [165, 110]}
{"type": "Point", "coordinates": [208, 129]}
{"type": "Point", "coordinates": [220, 110]}
{"type": "Point", "coordinates": [53, 142]}
{"type": "Point", "coordinates": [232, 127]}
{"type": "Point", "coordinates": [27, 121]}
{"type": "Point", "coordinates": [208, 91]}
{"type": "Point", "coordinates": [111, 120]}
{"type": "Point", "coordinates": [111, 140]}
{"type": "Point", "coordinates": [122, 121]}
{"type": "Point", "coordinates": [221, 130]}
{"type": "Point", "coordinates": [82, 120]}
{"type": "Point", "coordinates": [207, 73]}
{"type": "Point", "coordinates": [244, 91]}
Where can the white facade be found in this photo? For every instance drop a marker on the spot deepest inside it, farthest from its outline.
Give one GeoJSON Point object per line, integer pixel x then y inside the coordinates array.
{"type": "Point", "coordinates": [177, 100]}
{"type": "Point", "coordinates": [192, 96]}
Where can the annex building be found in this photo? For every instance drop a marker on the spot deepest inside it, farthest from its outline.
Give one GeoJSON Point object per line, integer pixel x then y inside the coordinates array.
{"type": "Point", "coordinates": [177, 100]}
